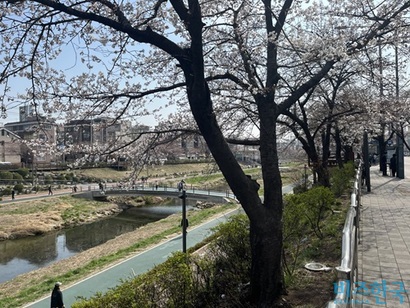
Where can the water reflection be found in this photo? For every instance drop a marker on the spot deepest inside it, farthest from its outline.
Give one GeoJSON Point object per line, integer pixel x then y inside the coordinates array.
{"type": "Point", "coordinates": [27, 254]}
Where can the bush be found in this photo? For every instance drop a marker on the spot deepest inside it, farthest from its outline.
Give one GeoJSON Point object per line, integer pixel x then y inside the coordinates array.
{"type": "Point", "coordinates": [19, 188]}
{"type": "Point", "coordinates": [6, 177]}
{"type": "Point", "coordinates": [295, 231]}
{"type": "Point", "coordinates": [17, 177]}
{"type": "Point", "coordinates": [316, 204]}
{"type": "Point", "coordinates": [24, 172]}
{"type": "Point", "coordinates": [6, 191]}
{"type": "Point", "coordinates": [341, 179]}
{"type": "Point", "coordinates": [303, 221]}
{"type": "Point", "coordinates": [229, 272]}
{"type": "Point", "coordinates": [48, 179]}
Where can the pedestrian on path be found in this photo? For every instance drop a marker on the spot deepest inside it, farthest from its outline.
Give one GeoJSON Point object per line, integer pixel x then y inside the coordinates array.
{"type": "Point", "coordinates": [13, 193]}
{"type": "Point", "coordinates": [57, 297]}
{"type": "Point", "coordinates": [181, 185]}
{"type": "Point", "coordinates": [50, 191]}
{"type": "Point", "coordinates": [393, 165]}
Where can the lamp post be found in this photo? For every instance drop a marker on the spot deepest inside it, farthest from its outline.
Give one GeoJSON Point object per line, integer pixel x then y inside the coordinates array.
{"type": "Point", "coordinates": [366, 160]}
{"type": "Point", "coordinates": [184, 222]}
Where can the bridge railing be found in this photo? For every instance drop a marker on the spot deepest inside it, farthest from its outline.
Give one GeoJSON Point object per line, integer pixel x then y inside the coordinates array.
{"type": "Point", "coordinates": [347, 272]}
{"type": "Point", "coordinates": [190, 189]}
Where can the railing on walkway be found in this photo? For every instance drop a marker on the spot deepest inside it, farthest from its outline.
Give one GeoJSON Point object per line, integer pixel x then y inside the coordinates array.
{"type": "Point", "coordinates": [347, 272]}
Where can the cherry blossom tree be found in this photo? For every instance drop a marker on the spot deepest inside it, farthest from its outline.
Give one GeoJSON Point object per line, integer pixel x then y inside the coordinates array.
{"type": "Point", "coordinates": [232, 59]}
{"type": "Point", "coordinates": [317, 121]}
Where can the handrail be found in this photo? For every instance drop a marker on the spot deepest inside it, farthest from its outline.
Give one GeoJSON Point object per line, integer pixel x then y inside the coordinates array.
{"type": "Point", "coordinates": [347, 272]}
{"type": "Point", "coordinates": [157, 190]}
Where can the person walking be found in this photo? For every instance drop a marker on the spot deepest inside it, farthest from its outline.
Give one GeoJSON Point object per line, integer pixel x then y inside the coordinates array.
{"type": "Point", "coordinates": [393, 165]}
{"type": "Point", "coordinates": [57, 297]}
{"type": "Point", "coordinates": [13, 194]}
{"type": "Point", "coordinates": [50, 191]}
{"type": "Point", "coordinates": [181, 185]}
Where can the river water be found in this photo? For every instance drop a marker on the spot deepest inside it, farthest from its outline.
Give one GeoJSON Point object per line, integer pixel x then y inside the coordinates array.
{"type": "Point", "coordinates": [28, 254]}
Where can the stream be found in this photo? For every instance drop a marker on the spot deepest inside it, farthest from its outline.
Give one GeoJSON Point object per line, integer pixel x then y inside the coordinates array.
{"type": "Point", "coordinates": [27, 254]}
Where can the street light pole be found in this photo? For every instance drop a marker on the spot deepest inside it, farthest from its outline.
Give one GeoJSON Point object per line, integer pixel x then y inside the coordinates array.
{"type": "Point", "coordinates": [366, 160]}
{"type": "Point", "coordinates": [184, 222]}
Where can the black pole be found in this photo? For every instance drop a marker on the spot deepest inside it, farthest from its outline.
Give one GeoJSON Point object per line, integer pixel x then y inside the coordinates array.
{"type": "Point", "coordinates": [366, 160]}
{"type": "Point", "coordinates": [184, 222]}
{"type": "Point", "coordinates": [400, 157]}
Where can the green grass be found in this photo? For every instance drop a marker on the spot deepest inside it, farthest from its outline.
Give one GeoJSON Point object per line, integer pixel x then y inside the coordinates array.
{"type": "Point", "coordinates": [48, 204]}
{"type": "Point", "coordinates": [27, 207]}
{"type": "Point", "coordinates": [204, 179]}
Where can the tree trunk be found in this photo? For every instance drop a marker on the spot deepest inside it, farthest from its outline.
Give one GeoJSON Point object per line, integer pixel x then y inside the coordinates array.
{"type": "Point", "coordinates": [338, 143]}
{"type": "Point", "coordinates": [323, 176]}
{"type": "Point", "coordinates": [320, 173]}
{"type": "Point", "coordinates": [266, 243]}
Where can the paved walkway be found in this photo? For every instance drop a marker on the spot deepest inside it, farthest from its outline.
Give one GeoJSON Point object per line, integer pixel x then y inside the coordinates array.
{"type": "Point", "coordinates": [384, 252]}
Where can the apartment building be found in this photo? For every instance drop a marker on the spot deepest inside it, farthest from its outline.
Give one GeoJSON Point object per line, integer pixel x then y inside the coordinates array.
{"type": "Point", "coordinates": [37, 135]}
{"type": "Point", "coordinates": [10, 148]}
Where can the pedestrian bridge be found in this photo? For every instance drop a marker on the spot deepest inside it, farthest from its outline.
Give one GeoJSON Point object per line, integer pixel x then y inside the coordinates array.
{"type": "Point", "coordinates": [166, 192]}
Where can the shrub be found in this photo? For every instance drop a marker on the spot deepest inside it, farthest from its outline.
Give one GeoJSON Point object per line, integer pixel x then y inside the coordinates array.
{"type": "Point", "coordinates": [24, 172]}
{"type": "Point", "coordinates": [61, 179]}
{"type": "Point", "coordinates": [48, 179]}
{"type": "Point", "coordinates": [6, 191]}
{"type": "Point", "coordinates": [341, 179]}
{"type": "Point", "coordinates": [19, 188]}
{"type": "Point", "coordinates": [6, 177]}
{"type": "Point", "coordinates": [229, 273]}
{"type": "Point", "coordinates": [295, 230]}
{"type": "Point", "coordinates": [17, 177]}
{"type": "Point", "coordinates": [303, 215]}
{"type": "Point", "coordinates": [318, 202]}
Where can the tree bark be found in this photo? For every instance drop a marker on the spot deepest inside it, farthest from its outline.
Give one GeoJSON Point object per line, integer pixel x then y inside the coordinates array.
{"type": "Point", "coordinates": [266, 271]}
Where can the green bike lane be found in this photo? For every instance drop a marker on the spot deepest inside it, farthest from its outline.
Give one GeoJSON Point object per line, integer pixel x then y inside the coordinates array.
{"type": "Point", "coordinates": [140, 263]}
{"type": "Point", "coordinates": [136, 265]}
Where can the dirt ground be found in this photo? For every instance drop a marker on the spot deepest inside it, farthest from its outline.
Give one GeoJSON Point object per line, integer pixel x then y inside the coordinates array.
{"type": "Point", "coordinates": [314, 290]}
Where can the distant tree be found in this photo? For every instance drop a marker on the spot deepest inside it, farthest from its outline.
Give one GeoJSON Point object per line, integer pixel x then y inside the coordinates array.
{"type": "Point", "coordinates": [314, 120]}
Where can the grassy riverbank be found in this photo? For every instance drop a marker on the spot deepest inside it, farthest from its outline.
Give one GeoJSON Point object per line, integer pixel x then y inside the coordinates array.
{"type": "Point", "coordinates": [36, 217]}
